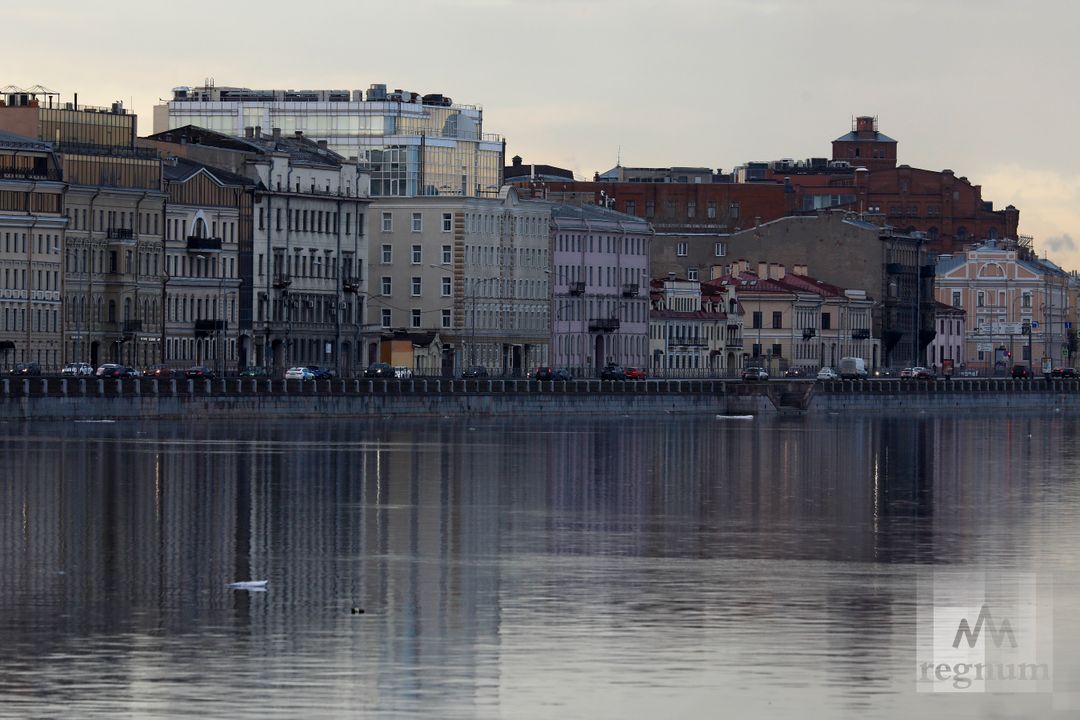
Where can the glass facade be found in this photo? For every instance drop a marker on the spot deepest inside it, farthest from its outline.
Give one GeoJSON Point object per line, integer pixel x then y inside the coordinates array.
{"type": "Point", "coordinates": [409, 148]}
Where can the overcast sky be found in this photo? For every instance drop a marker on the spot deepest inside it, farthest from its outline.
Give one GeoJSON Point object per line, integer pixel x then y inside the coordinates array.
{"type": "Point", "coordinates": [984, 87]}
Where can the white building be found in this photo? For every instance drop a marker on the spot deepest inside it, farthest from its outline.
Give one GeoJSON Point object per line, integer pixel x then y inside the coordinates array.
{"type": "Point", "coordinates": [600, 299]}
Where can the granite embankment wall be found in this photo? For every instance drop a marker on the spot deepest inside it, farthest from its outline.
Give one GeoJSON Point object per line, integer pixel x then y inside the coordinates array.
{"type": "Point", "coordinates": [57, 399]}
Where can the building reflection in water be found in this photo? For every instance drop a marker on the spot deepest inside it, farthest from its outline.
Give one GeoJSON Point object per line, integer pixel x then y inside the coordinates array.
{"type": "Point", "coordinates": [467, 542]}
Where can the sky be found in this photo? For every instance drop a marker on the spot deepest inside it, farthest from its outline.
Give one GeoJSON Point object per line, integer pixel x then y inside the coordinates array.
{"type": "Point", "coordinates": [986, 88]}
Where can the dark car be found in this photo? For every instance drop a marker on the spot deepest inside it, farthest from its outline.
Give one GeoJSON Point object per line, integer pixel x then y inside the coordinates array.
{"type": "Point", "coordinates": [884, 372]}
{"type": "Point", "coordinates": [321, 373]}
{"type": "Point", "coordinates": [612, 371]}
{"type": "Point", "coordinates": [551, 373]}
{"type": "Point", "coordinates": [254, 371]}
{"type": "Point", "coordinates": [26, 369]}
{"type": "Point", "coordinates": [199, 372]}
{"type": "Point", "coordinates": [795, 372]}
{"type": "Point", "coordinates": [922, 373]}
{"type": "Point", "coordinates": [476, 371]}
{"type": "Point", "coordinates": [1020, 372]}
{"type": "Point", "coordinates": [110, 370]}
{"type": "Point", "coordinates": [633, 373]}
{"type": "Point", "coordinates": [1064, 373]}
{"type": "Point", "coordinates": [755, 374]}
{"type": "Point", "coordinates": [380, 370]}
{"type": "Point", "coordinates": [162, 372]}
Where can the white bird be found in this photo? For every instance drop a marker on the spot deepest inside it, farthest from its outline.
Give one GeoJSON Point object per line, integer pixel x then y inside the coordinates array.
{"type": "Point", "coordinates": [248, 585]}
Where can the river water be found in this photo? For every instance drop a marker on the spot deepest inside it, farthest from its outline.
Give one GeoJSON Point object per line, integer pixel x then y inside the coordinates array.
{"type": "Point", "coordinates": [544, 568]}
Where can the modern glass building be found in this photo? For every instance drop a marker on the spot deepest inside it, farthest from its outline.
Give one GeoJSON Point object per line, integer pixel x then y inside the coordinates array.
{"type": "Point", "coordinates": [411, 144]}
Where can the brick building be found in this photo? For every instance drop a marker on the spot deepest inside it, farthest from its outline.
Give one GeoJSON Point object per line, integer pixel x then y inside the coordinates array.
{"type": "Point", "coordinates": [863, 176]}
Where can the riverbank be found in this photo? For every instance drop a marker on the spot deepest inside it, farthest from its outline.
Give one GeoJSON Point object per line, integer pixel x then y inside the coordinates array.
{"type": "Point", "coordinates": [56, 399]}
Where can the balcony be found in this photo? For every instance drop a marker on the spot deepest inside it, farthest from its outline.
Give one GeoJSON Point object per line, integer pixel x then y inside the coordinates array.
{"type": "Point", "coordinates": [130, 327]}
{"type": "Point", "coordinates": [204, 328]}
{"type": "Point", "coordinates": [734, 343]}
{"type": "Point", "coordinates": [120, 234]}
{"type": "Point", "coordinates": [350, 285]}
{"type": "Point", "coordinates": [630, 289]}
{"type": "Point", "coordinates": [203, 244]}
{"type": "Point", "coordinates": [577, 288]}
{"type": "Point", "coordinates": [896, 268]}
{"type": "Point", "coordinates": [282, 282]}
{"type": "Point", "coordinates": [860, 334]}
{"type": "Point", "coordinates": [603, 324]}
{"type": "Point", "coordinates": [808, 333]}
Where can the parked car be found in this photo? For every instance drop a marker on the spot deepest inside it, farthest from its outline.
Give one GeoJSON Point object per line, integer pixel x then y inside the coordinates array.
{"type": "Point", "coordinates": [1020, 372]}
{"type": "Point", "coordinates": [827, 373]}
{"type": "Point", "coordinates": [755, 374]}
{"type": "Point", "coordinates": [110, 370]}
{"type": "Point", "coordinates": [907, 373]}
{"type": "Point", "coordinates": [379, 370]}
{"type": "Point", "coordinates": [132, 372]}
{"type": "Point", "coordinates": [402, 373]}
{"type": "Point", "coordinates": [550, 373]}
{"type": "Point", "coordinates": [633, 373]}
{"type": "Point", "coordinates": [26, 369]}
{"type": "Point", "coordinates": [1062, 373]}
{"type": "Point", "coordinates": [161, 372]}
{"type": "Point", "coordinates": [199, 372]}
{"type": "Point", "coordinates": [884, 372]}
{"type": "Point", "coordinates": [923, 373]}
{"type": "Point", "coordinates": [321, 373]}
{"type": "Point", "coordinates": [299, 373]}
{"type": "Point", "coordinates": [612, 371]}
{"type": "Point", "coordinates": [255, 371]}
{"type": "Point", "coordinates": [795, 372]}
{"type": "Point", "coordinates": [78, 370]}
{"type": "Point", "coordinates": [475, 371]}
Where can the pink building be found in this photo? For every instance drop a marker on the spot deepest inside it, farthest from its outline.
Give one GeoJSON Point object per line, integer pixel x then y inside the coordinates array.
{"type": "Point", "coordinates": [600, 293]}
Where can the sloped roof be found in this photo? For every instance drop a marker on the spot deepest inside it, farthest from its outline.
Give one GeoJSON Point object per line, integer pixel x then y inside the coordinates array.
{"type": "Point", "coordinates": [181, 170]}
{"type": "Point", "coordinates": [21, 142]}
{"type": "Point", "coordinates": [856, 137]}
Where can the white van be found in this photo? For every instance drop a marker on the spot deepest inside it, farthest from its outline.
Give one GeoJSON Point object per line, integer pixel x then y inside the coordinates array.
{"type": "Point", "coordinates": [852, 368]}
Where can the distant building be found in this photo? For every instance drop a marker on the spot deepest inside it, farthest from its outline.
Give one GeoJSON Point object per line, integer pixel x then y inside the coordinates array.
{"type": "Point", "coordinates": [32, 248]}
{"type": "Point", "coordinates": [411, 144]}
{"type": "Point", "coordinates": [695, 328]}
{"type": "Point", "coordinates": [863, 176]}
{"type": "Point", "coordinates": [474, 270]}
{"type": "Point", "coordinates": [301, 263]}
{"type": "Point", "coordinates": [949, 338]}
{"type": "Point", "coordinates": [1012, 301]}
{"type": "Point", "coordinates": [520, 174]}
{"type": "Point", "coordinates": [113, 244]}
{"type": "Point", "coordinates": [600, 299]}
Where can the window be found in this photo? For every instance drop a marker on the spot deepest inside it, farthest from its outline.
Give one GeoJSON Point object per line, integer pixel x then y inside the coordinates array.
{"type": "Point", "coordinates": [631, 207]}
{"type": "Point", "coordinates": [447, 255]}
{"type": "Point", "coordinates": [416, 318]}
{"type": "Point", "coordinates": [757, 350]}
{"type": "Point", "coordinates": [447, 222]}
{"type": "Point", "coordinates": [691, 209]}
{"type": "Point", "coordinates": [386, 317]}
{"type": "Point", "coordinates": [417, 222]}
{"type": "Point", "coordinates": [680, 249]}
{"type": "Point", "coordinates": [734, 211]}
{"type": "Point", "coordinates": [387, 222]}
{"type": "Point", "coordinates": [776, 352]}
{"type": "Point", "coordinates": [711, 210]}
{"type": "Point", "coordinates": [416, 285]}
{"type": "Point", "coordinates": [387, 254]}
{"type": "Point", "coordinates": [650, 208]}
{"type": "Point", "coordinates": [981, 299]}
{"type": "Point", "coordinates": [756, 322]}
{"type": "Point", "coordinates": [446, 287]}
{"type": "Point", "coordinates": [777, 320]}
{"type": "Point", "coordinates": [1025, 300]}
{"type": "Point", "coordinates": [691, 274]}
{"type": "Point", "coordinates": [386, 285]}
{"type": "Point", "coordinates": [826, 321]}
{"type": "Point", "coordinates": [719, 249]}
{"type": "Point", "coordinates": [416, 255]}
{"type": "Point", "coordinates": [956, 298]}
{"type": "Point", "coordinates": [446, 318]}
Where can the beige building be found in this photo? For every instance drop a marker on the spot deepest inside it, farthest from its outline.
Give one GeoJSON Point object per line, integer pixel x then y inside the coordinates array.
{"type": "Point", "coordinates": [1018, 307]}
{"type": "Point", "coordinates": [475, 270]}
{"type": "Point", "coordinates": [32, 227]}
{"type": "Point", "coordinates": [695, 329]}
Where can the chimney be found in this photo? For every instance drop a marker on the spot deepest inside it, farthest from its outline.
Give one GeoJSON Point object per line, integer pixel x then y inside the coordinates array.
{"type": "Point", "coordinates": [277, 133]}
{"type": "Point", "coordinates": [322, 144]}
{"type": "Point", "coordinates": [516, 160]}
{"type": "Point", "coordinates": [298, 133]}
{"type": "Point", "coordinates": [671, 276]}
{"type": "Point", "coordinates": [258, 132]}
{"type": "Point", "coordinates": [776, 271]}
{"type": "Point", "coordinates": [762, 269]}
{"type": "Point", "coordinates": [799, 269]}
{"type": "Point", "coordinates": [249, 132]}
{"type": "Point", "coordinates": [716, 272]}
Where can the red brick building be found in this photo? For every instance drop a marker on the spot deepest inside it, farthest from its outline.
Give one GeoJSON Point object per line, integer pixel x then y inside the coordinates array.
{"type": "Point", "coordinates": [680, 207]}
{"type": "Point", "coordinates": [863, 176]}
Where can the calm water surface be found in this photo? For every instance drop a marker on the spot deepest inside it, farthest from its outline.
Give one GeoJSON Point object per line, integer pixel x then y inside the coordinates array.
{"type": "Point", "coordinates": [560, 568]}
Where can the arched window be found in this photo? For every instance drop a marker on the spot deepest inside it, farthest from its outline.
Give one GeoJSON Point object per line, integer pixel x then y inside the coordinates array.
{"type": "Point", "coordinates": [198, 229]}
{"type": "Point", "coordinates": [112, 311]}
{"type": "Point", "coordinates": [961, 234]}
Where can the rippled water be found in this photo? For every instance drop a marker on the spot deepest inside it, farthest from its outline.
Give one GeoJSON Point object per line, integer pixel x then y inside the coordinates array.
{"type": "Point", "coordinates": [626, 567]}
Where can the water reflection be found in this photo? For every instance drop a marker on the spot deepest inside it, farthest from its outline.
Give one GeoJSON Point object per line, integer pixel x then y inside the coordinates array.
{"type": "Point", "coordinates": [616, 567]}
